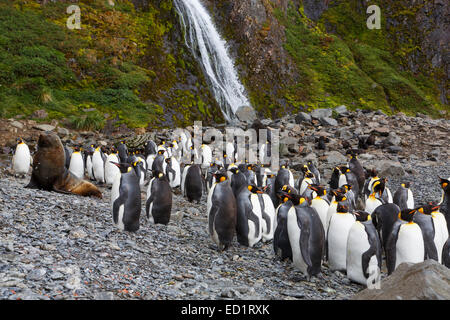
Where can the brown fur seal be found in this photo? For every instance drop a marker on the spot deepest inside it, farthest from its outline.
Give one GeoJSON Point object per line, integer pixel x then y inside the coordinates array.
{"type": "Point", "coordinates": [49, 171]}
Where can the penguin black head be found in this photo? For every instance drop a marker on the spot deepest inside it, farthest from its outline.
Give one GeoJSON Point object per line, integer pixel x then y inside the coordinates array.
{"type": "Point", "coordinates": [298, 200]}
{"type": "Point", "coordinates": [362, 216]}
{"type": "Point", "coordinates": [344, 169]}
{"type": "Point", "coordinates": [339, 196]}
{"type": "Point", "coordinates": [168, 160]}
{"type": "Point", "coordinates": [342, 208]}
{"type": "Point", "coordinates": [220, 176]}
{"type": "Point", "coordinates": [309, 174]}
{"type": "Point", "coordinates": [406, 185]}
{"type": "Point", "coordinates": [432, 206]}
{"type": "Point", "coordinates": [158, 174]}
{"type": "Point", "coordinates": [379, 186]}
{"type": "Point", "coordinates": [286, 188]}
{"type": "Point", "coordinates": [373, 173]}
{"type": "Point", "coordinates": [310, 163]}
{"type": "Point", "coordinates": [123, 166]}
{"type": "Point", "coordinates": [445, 184]}
{"type": "Point", "coordinates": [407, 215]}
{"type": "Point", "coordinates": [250, 167]}
{"type": "Point", "coordinates": [425, 209]}
{"type": "Point", "coordinates": [19, 140]}
{"type": "Point", "coordinates": [352, 153]}
{"type": "Point", "coordinates": [347, 187]}
{"type": "Point", "coordinates": [161, 151]}
{"type": "Point", "coordinates": [305, 169]}
{"type": "Point", "coordinates": [320, 190]}
{"type": "Point", "coordinates": [234, 170]}
{"type": "Point", "coordinates": [254, 189]}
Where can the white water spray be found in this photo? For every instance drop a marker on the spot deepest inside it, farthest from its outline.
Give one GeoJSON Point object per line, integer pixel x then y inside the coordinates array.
{"type": "Point", "coordinates": [210, 50]}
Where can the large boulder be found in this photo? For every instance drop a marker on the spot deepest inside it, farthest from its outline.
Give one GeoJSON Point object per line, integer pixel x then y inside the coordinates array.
{"type": "Point", "coordinates": [389, 168]}
{"type": "Point", "coordinates": [428, 280]}
{"type": "Point", "coordinates": [246, 113]}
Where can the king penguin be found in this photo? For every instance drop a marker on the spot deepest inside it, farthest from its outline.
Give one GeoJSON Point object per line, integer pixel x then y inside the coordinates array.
{"type": "Point", "coordinates": [158, 205]}
{"type": "Point", "coordinates": [126, 198]}
{"type": "Point", "coordinates": [123, 151]}
{"type": "Point", "coordinates": [76, 165]}
{"type": "Point", "coordinates": [22, 159]}
{"type": "Point", "coordinates": [111, 170]}
{"type": "Point", "coordinates": [89, 168]}
{"type": "Point", "coordinates": [98, 165]}
{"type": "Point", "coordinates": [403, 196]}
{"type": "Point", "coordinates": [363, 249]}
{"type": "Point", "coordinates": [249, 216]}
{"type": "Point", "coordinates": [355, 166]}
{"type": "Point", "coordinates": [173, 172]}
{"type": "Point", "coordinates": [281, 244]}
{"type": "Point", "coordinates": [384, 218]}
{"type": "Point", "coordinates": [338, 230]}
{"type": "Point", "coordinates": [221, 212]}
{"type": "Point", "coordinates": [405, 242]}
{"type": "Point", "coordinates": [306, 236]}
{"type": "Point", "coordinates": [192, 187]}
{"type": "Point", "coordinates": [320, 204]}
{"type": "Point", "coordinates": [446, 254]}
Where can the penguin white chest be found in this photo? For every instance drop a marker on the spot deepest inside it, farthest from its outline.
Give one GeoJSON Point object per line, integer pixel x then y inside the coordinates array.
{"type": "Point", "coordinates": [338, 230]}
{"type": "Point", "coordinates": [77, 165]}
{"type": "Point", "coordinates": [255, 230]}
{"type": "Point", "coordinates": [98, 167]}
{"type": "Point", "coordinates": [268, 226]}
{"type": "Point", "coordinates": [409, 246]}
{"type": "Point", "coordinates": [321, 207]}
{"type": "Point", "coordinates": [21, 159]}
{"type": "Point", "coordinates": [115, 194]}
{"type": "Point", "coordinates": [342, 180]}
{"type": "Point", "coordinates": [371, 204]}
{"type": "Point", "coordinates": [111, 170]}
{"type": "Point", "coordinates": [410, 201]}
{"type": "Point", "coordinates": [357, 245]}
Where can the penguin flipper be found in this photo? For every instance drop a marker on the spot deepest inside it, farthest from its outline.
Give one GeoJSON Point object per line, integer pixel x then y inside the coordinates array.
{"type": "Point", "coordinates": [305, 225]}
{"type": "Point", "coordinates": [391, 250]}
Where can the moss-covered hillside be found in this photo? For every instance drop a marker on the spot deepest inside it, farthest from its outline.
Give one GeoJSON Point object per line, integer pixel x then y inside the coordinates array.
{"type": "Point", "coordinates": [128, 63]}
{"type": "Point", "coordinates": [124, 63]}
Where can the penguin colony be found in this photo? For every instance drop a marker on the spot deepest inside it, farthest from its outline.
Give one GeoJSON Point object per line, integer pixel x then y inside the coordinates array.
{"type": "Point", "coordinates": [351, 224]}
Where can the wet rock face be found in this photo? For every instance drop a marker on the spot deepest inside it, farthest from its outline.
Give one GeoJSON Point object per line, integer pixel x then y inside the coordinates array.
{"type": "Point", "coordinates": [314, 8]}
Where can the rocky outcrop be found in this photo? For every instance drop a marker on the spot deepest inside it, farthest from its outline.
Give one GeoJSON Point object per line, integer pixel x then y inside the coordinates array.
{"type": "Point", "coordinates": [428, 280]}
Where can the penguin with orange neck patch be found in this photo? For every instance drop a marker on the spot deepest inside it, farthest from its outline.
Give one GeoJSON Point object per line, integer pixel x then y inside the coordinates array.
{"type": "Point", "coordinates": [281, 244]}
{"type": "Point", "coordinates": [249, 216]}
{"type": "Point", "coordinates": [159, 199]}
{"type": "Point", "coordinates": [405, 242]}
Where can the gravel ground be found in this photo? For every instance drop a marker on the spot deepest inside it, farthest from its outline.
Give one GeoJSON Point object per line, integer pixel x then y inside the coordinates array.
{"type": "Point", "coordinates": [55, 246]}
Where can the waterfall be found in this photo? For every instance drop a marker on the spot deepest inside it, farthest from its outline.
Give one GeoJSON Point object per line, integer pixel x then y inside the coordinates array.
{"type": "Point", "coordinates": [210, 50]}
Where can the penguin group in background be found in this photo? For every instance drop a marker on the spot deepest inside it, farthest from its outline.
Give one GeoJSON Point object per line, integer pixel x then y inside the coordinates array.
{"type": "Point", "coordinates": [403, 196]}
{"type": "Point", "coordinates": [221, 212]}
{"type": "Point", "coordinates": [22, 159]}
{"type": "Point", "coordinates": [126, 198]}
{"type": "Point", "coordinates": [363, 249]}
{"type": "Point", "coordinates": [158, 205]}
{"type": "Point", "coordinates": [405, 242]}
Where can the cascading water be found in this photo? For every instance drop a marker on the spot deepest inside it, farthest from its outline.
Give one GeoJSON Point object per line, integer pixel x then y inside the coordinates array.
{"type": "Point", "coordinates": [210, 50]}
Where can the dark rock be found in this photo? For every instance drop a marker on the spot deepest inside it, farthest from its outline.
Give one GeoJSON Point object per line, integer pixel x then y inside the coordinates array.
{"type": "Point", "coordinates": [302, 117]}
{"type": "Point", "coordinates": [428, 280]}
{"type": "Point", "coordinates": [328, 121]}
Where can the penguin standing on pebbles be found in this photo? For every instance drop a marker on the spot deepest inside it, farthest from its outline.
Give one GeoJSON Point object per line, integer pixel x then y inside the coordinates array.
{"type": "Point", "coordinates": [249, 216]}
{"type": "Point", "coordinates": [111, 170]}
{"type": "Point", "coordinates": [22, 159]}
{"type": "Point", "coordinates": [306, 236]}
{"type": "Point", "coordinates": [222, 212]}
{"type": "Point", "coordinates": [89, 168]}
{"type": "Point", "coordinates": [405, 242]}
{"type": "Point", "coordinates": [76, 165]}
{"type": "Point", "coordinates": [98, 165]}
{"type": "Point", "coordinates": [159, 199]}
{"type": "Point", "coordinates": [363, 248]}
{"type": "Point", "coordinates": [126, 198]}
{"type": "Point", "coordinates": [375, 199]}
{"type": "Point", "coordinates": [403, 197]}
{"type": "Point", "coordinates": [192, 183]}
{"type": "Point", "coordinates": [281, 244]}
